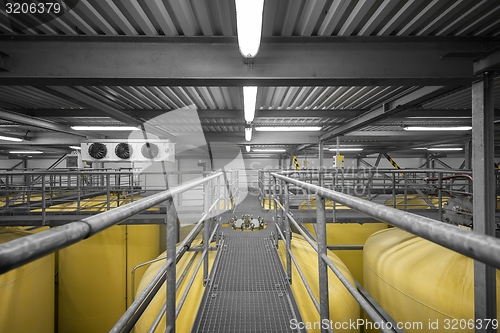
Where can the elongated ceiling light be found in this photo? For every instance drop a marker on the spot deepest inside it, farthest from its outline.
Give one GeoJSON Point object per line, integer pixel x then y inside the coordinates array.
{"type": "Point", "coordinates": [445, 149]}
{"type": "Point", "coordinates": [345, 149]}
{"type": "Point", "coordinates": [249, 26]}
{"type": "Point", "coordinates": [104, 128]}
{"type": "Point", "coordinates": [25, 152]}
{"type": "Point", "coordinates": [287, 128]}
{"type": "Point", "coordinates": [248, 133]}
{"type": "Point", "coordinates": [450, 128]}
{"type": "Point", "coordinates": [9, 138]}
{"type": "Point", "coordinates": [76, 147]}
{"type": "Point", "coordinates": [249, 100]}
{"type": "Point", "coordinates": [269, 150]}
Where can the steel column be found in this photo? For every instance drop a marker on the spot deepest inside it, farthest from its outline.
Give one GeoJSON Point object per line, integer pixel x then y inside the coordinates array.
{"type": "Point", "coordinates": [468, 162]}
{"type": "Point", "coordinates": [171, 272]}
{"type": "Point", "coordinates": [206, 231]}
{"type": "Point", "coordinates": [288, 232]}
{"type": "Point", "coordinates": [324, 306]}
{"type": "Point", "coordinates": [321, 163]}
{"type": "Point", "coordinates": [484, 194]}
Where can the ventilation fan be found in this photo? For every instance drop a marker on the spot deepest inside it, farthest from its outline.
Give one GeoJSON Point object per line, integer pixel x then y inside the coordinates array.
{"type": "Point", "coordinates": [149, 150]}
{"type": "Point", "coordinates": [98, 150]}
{"type": "Point", "coordinates": [123, 150]}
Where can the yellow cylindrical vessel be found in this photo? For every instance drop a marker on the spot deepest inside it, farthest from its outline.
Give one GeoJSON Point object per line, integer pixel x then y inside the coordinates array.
{"type": "Point", "coordinates": [345, 234]}
{"type": "Point", "coordinates": [417, 281]}
{"type": "Point", "coordinates": [95, 276]}
{"type": "Point", "coordinates": [189, 310]}
{"type": "Point", "coordinates": [27, 293]}
{"type": "Point", "coordinates": [343, 307]}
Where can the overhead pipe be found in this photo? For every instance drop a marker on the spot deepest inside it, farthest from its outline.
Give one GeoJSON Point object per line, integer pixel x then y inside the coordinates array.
{"type": "Point", "coordinates": [24, 250]}
{"type": "Point", "coordinates": [480, 247]}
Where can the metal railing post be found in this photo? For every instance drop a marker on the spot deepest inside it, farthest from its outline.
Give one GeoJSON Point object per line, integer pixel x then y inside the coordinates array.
{"type": "Point", "coordinates": [206, 230]}
{"type": "Point", "coordinates": [288, 233]}
{"type": "Point", "coordinates": [171, 272]}
{"type": "Point", "coordinates": [44, 203]}
{"type": "Point", "coordinates": [108, 192]}
{"type": "Point", "coordinates": [324, 306]}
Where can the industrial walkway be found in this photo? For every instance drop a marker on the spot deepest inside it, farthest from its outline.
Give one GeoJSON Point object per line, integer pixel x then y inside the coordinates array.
{"type": "Point", "coordinates": [249, 291]}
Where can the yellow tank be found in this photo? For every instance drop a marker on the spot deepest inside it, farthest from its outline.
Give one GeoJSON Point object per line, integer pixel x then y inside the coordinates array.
{"type": "Point", "coordinates": [417, 281]}
{"type": "Point", "coordinates": [95, 276]}
{"type": "Point", "coordinates": [188, 312]}
{"type": "Point", "coordinates": [349, 233]}
{"type": "Point", "coordinates": [414, 201]}
{"type": "Point", "coordinates": [27, 293]}
{"type": "Point", "coordinates": [343, 306]}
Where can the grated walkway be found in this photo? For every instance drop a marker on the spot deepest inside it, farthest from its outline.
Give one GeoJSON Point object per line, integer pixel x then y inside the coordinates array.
{"type": "Point", "coordinates": [249, 291]}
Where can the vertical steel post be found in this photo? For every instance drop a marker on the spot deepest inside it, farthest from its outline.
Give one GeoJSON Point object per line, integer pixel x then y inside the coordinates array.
{"type": "Point", "coordinates": [7, 192]}
{"type": "Point", "coordinates": [206, 229]}
{"type": "Point", "coordinates": [108, 192]}
{"type": "Point", "coordinates": [484, 194]}
{"type": "Point", "coordinates": [321, 164]}
{"type": "Point", "coordinates": [171, 272]}
{"type": "Point", "coordinates": [324, 306]}
{"type": "Point", "coordinates": [288, 232]}
{"type": "Point", "coordinates": [468, 163]}
{"type": "Point", "coordinates": [44, 201]}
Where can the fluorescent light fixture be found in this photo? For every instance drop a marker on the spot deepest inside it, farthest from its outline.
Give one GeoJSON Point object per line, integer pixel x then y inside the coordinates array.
{"type": "Point", "coordinates": [445, 149]}
{"type": "Point", "coordinates": [25, 152]}
{"type": "Point", "coordinates": [269, 150]}
{"type": "Point", "coordinates": [247, 148]}
{"type": "Point", "coordinates": [248, 133]}
{"type": "Point", "coordinates": [261, 155]}
{"type": "Point", "coordinates": [287, 128]}
{"type": "Point", "coordinates": [104, 128]}
{"type": "Point", "coordinates": [249, 26]}
{"type": "Point", "coordinates": [447, 128]}
{"type": "Point", "coordinates": [9, 138]}
{"type": "Point", "coordinates": [76, 147]}
{"type": "Point", "coordinates": [345, 149]}
{"type": "Point", "coordinates": [249, 100]}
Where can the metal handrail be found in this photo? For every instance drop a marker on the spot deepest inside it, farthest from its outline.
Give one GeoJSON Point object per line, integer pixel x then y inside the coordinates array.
{"type": "Point", "coordinates": [480, 247]}
{"type": "Point", "coordinates": [24, 250]}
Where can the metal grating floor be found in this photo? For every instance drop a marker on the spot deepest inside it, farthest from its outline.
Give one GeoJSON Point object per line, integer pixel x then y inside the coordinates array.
{"type": "Point", "coordinates": [249, 291]}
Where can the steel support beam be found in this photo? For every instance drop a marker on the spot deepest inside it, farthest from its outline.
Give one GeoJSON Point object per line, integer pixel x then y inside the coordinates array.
{"type": "Point", "coordinates": [238, 114]}
{"type": "Point", "coordinates": [111, 111]}
{"type": "Point", "coordinates": [215, 61]}
{"type": "Point", "coordinates": [36, 122]}
{"type": "Point", "coordinates": [484, 195]}
{"type": "Point", "coordinates": [489, 61]}
{"type": "Point", "coordinates": [263, 138]}
{"type": "Point", "coordinates": [387, 110]}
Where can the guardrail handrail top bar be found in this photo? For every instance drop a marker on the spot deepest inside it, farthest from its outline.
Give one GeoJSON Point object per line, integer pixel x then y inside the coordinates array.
{"type": "Point", "coordinates": [29, 248]}
{"type": "Point", "coordinates": [480, 247]}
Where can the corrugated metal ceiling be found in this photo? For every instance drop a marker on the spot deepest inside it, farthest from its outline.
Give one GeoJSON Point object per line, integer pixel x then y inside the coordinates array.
{"type": "Point", "coordinates": [442, 18]}
{"type": "Point", "coordinates": [281, 18]}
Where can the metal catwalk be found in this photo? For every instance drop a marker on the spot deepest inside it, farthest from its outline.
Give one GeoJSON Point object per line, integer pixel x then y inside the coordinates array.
{"type": "Point", "coordinates": [248, 291]}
